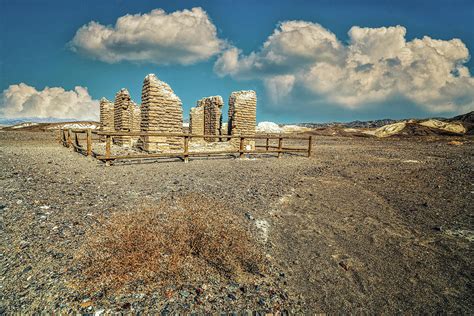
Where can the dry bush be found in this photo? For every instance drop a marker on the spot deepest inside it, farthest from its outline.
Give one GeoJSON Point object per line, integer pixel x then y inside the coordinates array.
{"type": "Point", "coordinates": [184, 239]}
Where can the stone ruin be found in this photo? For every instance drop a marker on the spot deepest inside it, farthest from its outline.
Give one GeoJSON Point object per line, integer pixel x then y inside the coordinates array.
{"type": "Point", "coordinates": [196, 120]}
{"type": "Point", "coordinates": [127, 118]}
{"type": "Point", "coordinates": [243, 116]}
{"type": "Point", "coordinates": [206, 117]}
{"type": "Point", "coordinates": [161, 112]}
{"type": "Point", "coordinates": [106, 115]}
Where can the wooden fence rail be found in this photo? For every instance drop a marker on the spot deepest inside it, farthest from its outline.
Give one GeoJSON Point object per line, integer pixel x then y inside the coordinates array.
{"type": "Point", "coordinates": [70, 138]}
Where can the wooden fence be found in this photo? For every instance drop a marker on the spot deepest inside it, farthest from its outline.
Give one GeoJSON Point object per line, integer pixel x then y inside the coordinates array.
{"type": "Point", "coordinates": [70, 138]}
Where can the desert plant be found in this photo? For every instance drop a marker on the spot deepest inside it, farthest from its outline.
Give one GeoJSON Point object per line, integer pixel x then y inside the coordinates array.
{"type": "Point", "coordinates": [180, 240]}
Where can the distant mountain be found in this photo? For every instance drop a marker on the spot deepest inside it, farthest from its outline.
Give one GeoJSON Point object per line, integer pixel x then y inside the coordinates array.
{"type": "Point", "coordinates": [353, 124]}
{"type": "Point", "coordinates": [15, 121]}
{"type": "Point", "coordinates": [465, 118]}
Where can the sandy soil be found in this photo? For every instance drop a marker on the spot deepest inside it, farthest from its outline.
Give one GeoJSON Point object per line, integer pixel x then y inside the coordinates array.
{"type": "Point", "coordinates": [365, 225]}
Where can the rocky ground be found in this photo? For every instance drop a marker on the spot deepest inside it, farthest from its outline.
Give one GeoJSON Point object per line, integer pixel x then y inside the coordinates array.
{"type": "Point", "coordinates": [366, 225]}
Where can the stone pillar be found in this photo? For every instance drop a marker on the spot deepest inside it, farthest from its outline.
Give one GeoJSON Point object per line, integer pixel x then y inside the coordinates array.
{"type": "Point", "coordinates": [162, 112]}
{"type": "Point", "coordinates": [123, 115]}
{"type": "Point", "coordinates": [243, 116]}
{"type": "Point", "coordinates": [212, 116]}
{"type": "Point", "coordinates": [196, 119]}
{"type": "Point", "coordinates": [106, 115]}
{"type": "Point", "coordinates": [136, 121]}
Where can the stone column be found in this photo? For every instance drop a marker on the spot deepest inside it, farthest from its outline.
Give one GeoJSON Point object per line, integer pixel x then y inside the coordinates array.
{"type": "Point", "coordinates": [161, 112]}
{"type": "Point", "coordinates": [106, 115]}
{"type": "Point", "coordinates": [243, 116]}
{"type": "Point", "coordinates": [123, 115]}
{"type": "Point", "coordinates": [212, 116]}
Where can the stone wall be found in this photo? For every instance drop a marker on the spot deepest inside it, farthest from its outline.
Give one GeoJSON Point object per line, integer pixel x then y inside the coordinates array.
{"type": "Point", "coordinates": [243, 115]}
{"type": "Point", "coordinates": [162, 112]}
{"type": "Point", "coordinates": [123, 117]}
{"type": "Point", "coordinates": [136, 117]}
{"type": "Point", "coordinates": [196, 119]}
{"type": "Point", "coordinates": [206, 118]}
{"type": "Point", "coordinates": [212, 116]}
{"type": "Point", "coordinates": [106, 115]}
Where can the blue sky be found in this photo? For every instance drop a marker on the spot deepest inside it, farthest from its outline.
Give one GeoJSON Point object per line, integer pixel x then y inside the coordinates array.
{"type": "Point", "coordinates": [34, 37]}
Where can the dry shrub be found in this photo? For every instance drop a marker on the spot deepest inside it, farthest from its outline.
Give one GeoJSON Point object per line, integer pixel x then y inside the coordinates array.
{"type": "Point", "coordinates": [184, 239]}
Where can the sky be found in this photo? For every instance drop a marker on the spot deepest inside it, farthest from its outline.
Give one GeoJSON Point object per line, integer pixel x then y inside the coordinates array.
{"type": "Point", "coordinates": [308, 61]}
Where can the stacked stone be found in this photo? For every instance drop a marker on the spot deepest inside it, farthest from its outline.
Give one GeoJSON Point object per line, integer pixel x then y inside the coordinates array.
{"type": "Point", "coordinates": [224, 128]}
{"type": "Point", "coordinates": [161, 112]}
{"type": "Point", "coordinates": [106, 115]}
{"type": "Point", "coordinates": [243, 116]}
{"type": "Point", "coordinates": [196, 119]}
{"type": "Point", "coordinates": [212, 116]}
{"type": "Point", "coordinates": [136, 120]}
{"type": "Point", "coordinates": [123, 116]}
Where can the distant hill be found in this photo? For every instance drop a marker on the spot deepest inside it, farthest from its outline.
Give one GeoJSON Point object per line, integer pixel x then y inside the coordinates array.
{"type": "Point", "coordinates": [15, 121]}
{"type": "Point", "coordinates": [466, 118]}
{"type": "Point", "coordinates": [353, 124]}
{"type": "Point", "coordinates": [43, 127]}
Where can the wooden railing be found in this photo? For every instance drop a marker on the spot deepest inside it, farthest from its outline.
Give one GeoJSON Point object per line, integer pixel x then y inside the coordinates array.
{"type": "Point", "coordinates": [70, 138]}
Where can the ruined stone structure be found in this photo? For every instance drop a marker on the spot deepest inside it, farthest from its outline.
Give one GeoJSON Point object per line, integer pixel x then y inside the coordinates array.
{"type": "Point", "coordinates": [212, 116]}
{"type": "Point", "coordinates": [161, 112]}
{"type": "Point", "coordinates": [123, 117]}
{"type": "Point", "coordinates": [243, 115]}
{"type": "Point", "coordinates": [196, 120]}
{"type": "Point", "coordinates": [136, 117]}
{"type": "Point", "coordinates": [206, 117]}
{"type": "Point", "coordinates": [224, 128]}
{"type": "Point", "coordinates": [136, 121]}
{"type": "Point", "coordinates": [106, 115]}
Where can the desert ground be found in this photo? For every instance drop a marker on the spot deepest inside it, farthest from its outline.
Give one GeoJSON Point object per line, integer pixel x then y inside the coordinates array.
{"type": "Point", "coordinates": [365, 225]}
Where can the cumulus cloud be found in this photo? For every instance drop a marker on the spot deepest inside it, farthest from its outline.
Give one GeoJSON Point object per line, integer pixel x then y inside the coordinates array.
{"type": "Point", "coordinates": [375, 66]}
{"type": "Point", "coordinates": [22, 100]}
{"type": "Point", "coordinates": [180, 37]}
{"type": "Point", "coordinates": [278, 87]}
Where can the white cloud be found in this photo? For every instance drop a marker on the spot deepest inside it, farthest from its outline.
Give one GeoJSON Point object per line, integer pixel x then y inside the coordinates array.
{"type": "Point", "coordinates": [376, 65]}
{"type": "Point", "coordinates": [182, 37]}
{"type": "Point", "coordinates": [22, 100]}
{"type": "Point", "coordinates": [278, 87]}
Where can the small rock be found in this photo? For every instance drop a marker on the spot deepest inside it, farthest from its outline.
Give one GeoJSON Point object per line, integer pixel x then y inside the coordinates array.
{"type": "Point", "coordinates": [199, 291]}
{"type": "Point", "coordinates": [86, 303]}
{"type": "Point", "coordinates": [344, 265]}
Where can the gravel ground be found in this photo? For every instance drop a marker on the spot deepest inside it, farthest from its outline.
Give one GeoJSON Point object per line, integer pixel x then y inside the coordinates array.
{"type": "Point", "coordinates": [366, 225]}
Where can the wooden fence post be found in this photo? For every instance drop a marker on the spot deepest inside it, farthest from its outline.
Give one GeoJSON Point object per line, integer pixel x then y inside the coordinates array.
{"type": "Point", "coordinates": [107, 146]}
{"type": "Point", "coordinates": [280, 146]}
{"type": "Point", "coordinates": [63, 137]}
{"type": "Point", "coordinates": [69, 140]}
{"type": "Point", "coordinates": [186, 149]}
{"type": "Point", "coordinates": [310, 141]}
{"type": "Point", "coordinates": [241, 147]}
{"type": "Point", "coordinates": [76, 142]}
{"type": "Point", "coordinates": [89, 142]}
{"type": "Point", "coordinates": [266, 146]}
